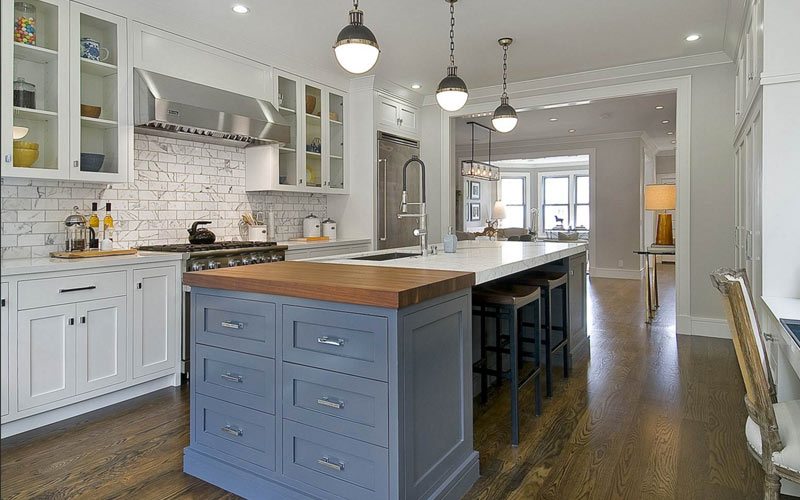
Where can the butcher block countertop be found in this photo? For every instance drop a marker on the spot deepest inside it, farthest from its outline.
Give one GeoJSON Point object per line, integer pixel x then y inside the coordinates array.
{"type": "Point", "coordinates": [392, 287]}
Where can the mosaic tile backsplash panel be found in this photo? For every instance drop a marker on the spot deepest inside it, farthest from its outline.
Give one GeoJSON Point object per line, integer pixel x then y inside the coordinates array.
{"type": "Point", "coordinates": [176, 182]}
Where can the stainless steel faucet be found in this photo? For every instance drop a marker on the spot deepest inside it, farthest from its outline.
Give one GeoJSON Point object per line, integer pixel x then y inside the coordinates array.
{"type": "Point", "coordinates": [422, 230]}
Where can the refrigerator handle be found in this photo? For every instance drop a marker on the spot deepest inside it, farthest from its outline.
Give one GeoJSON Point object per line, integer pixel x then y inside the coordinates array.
{"type": "Point", "coordinates": [385, 212]}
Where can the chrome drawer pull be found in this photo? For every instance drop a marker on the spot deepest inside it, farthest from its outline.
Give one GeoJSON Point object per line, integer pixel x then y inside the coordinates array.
{"type": "Point", "coordinates": [236, 325]}
{"type": "Point", "coordinates": [232, 431]}
{"type": "Point", "coordinates": [231, 378]}
{"type": "Point", "coordinates": [327, 341]}
{"type": "Point", "coordinates": [79, 289]}
{"type": "Point", "coordinates": [325, 461]}
{"type": "Point", "coordinates": [333, 404]}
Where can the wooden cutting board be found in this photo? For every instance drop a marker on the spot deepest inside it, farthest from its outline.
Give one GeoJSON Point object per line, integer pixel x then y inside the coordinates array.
{"type": "Point", "coordinates": [310, 239]}
{"type": "Point", "coordinates": [92, 253]}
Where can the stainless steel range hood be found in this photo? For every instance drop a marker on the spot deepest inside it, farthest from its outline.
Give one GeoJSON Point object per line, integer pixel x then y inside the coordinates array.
{"type": "Point", "coordinates": [163, 105]}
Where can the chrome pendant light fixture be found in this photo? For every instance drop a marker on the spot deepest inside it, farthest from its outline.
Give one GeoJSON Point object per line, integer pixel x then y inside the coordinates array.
{"type": "Point", "coordinates": [452, 92]}
{"type": "Point", "coordinates": [356, 48]}
{"type": "Point", "coordinates": [505, 116]}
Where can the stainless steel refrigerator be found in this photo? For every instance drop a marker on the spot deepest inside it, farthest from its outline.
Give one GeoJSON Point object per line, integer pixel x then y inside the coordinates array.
{"type": "Point", "coordinates": [393, 152]}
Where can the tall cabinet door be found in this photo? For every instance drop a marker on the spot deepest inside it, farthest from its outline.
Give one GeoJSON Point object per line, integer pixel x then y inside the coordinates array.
{"type": "Point", "coordinates": [4, 348]}
{"type": "Point", "coordinates": [335, 140]}
{"type": "Point", "coordinates": [98, 100]}
{"type": "Point", "coordinates": [101, 339]}
{"type": "Point", "coordinates": [45, 355]}
{"type": "Point", "coordinates": [154, 320]}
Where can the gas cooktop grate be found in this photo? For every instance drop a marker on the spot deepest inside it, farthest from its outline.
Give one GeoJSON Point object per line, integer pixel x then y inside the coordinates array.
{"type": "Point", "coordinates": [222, 245]}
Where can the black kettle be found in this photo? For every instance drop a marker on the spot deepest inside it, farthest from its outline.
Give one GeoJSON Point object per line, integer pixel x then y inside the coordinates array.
{"type": "Point", "coordinates": [201, 235]}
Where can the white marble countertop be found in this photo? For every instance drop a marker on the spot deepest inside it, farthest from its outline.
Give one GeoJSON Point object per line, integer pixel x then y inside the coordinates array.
{"type": "Point", "coordinates": [296, 245]}
{"type": "Point", "coordinates": [13, 267]}
{"type": "Point", "coordinates": [489, 260]}
{"type": "Point", "coordinates": [786, 308]}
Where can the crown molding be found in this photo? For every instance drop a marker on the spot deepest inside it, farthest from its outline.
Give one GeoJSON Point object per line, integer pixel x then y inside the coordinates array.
{"type": "Point", "coordinates": [511, 146]}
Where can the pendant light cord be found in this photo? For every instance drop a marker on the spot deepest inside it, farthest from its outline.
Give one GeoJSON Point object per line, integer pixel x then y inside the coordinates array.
{"type": "Point", "coordinates": [452, 34]}
{"type": "Point", "coordinates": [505, 68]}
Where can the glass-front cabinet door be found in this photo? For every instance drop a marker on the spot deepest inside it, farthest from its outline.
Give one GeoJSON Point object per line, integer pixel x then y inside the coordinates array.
{"type": "Point", "coordinates": [313, 137]}
{"type": "Point", "coordinates": [98, 95]}
{"type": "Point", "coordinates": [335, 140]}
{"type": "Point", "coordinates": [288, 90]}
{"type": "Point", "coordinates": [35, 95]}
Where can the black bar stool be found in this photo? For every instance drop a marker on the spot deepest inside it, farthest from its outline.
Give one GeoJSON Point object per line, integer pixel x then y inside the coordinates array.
{"type": "Point", "coordinates": [548, 282]}
{"type": "Point", "coordinates": [508, 301]}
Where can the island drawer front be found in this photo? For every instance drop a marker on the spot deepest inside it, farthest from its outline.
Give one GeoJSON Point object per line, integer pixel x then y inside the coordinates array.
{"type": "Point", "coordinates": [238, 324]}
{"type": "Point", "coordinates": [70, 289]}
{"type": "Point", "coordinates": [238, 431]}
{"type": "Point", "coordinates": [236, 377]}
{"type": "Point", "coordinates": [352, 406]}
{"type": "Point", "coordinates": [336, 464]}
{"type": "Point", "coordinates": [336, 340]}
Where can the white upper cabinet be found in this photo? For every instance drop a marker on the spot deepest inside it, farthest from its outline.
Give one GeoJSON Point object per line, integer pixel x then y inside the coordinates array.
{"type": "Point", "coordinates": [393, 115]}
{"type": "Point", "coordinates": [75, 56]}
{"type": "Point", "coordinates": [749, 61]}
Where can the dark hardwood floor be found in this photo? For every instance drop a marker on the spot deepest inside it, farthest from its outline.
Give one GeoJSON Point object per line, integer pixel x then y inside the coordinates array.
{"type": "Point", "coordinates": [645, 415]}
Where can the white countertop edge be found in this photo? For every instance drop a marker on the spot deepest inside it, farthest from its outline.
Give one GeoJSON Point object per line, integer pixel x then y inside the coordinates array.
{"type": "Point", "coordinates": [297, 245]}
{"type": "Point", "coordinates": [15, 267]}
{"type": "Point", "coordinates": [483, 266]}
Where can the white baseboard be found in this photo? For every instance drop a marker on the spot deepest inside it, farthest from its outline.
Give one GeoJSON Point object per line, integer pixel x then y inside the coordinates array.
{"type": "Point", "coordinates": [703, 327]}
{"type": "Point", "coordinates": [623, 274]}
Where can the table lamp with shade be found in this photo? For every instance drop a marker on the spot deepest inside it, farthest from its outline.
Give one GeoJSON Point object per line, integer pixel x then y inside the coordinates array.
{"type": "Point", "coordinates": [661, 197]}
{"type": "Point", "coordinates": [498, 212]}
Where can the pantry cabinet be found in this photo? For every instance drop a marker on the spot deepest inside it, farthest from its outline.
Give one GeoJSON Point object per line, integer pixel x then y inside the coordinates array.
{"type": "Point", "coordinates": [749, 61]}
{"type": "Point", "coordinates": [154, 317]}
{"type": "Point", "coordinates": [68, 119]}
{"type": "Point", "coordinates": [315, 158]}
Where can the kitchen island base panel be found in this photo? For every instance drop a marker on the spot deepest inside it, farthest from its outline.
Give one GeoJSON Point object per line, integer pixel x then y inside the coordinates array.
{"type": "Point", "coordinates": [421, 357]}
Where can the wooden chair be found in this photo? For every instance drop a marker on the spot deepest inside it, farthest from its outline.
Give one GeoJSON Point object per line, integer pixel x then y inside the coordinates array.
{"type": "Point", "coordinates": [772, 428]}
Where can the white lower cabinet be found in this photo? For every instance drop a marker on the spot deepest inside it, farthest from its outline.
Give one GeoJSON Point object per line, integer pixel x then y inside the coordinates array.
{"type": "Point", "coordinates": [153, 320]}
{"type": "Point", "coordinates": [101, 339]}
{"type": "Point", "coordinates": [46, 355]}
{"type": "Point", "coordinates": [4, 327]}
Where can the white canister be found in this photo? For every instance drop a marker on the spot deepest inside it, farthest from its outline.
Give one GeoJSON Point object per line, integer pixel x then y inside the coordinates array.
{"type": "Point", "coordinates": [257, 233]}
{"type": "Point", "coordinates": [329, 228]}
{"type": "Point", "coordinates": [311, 226]}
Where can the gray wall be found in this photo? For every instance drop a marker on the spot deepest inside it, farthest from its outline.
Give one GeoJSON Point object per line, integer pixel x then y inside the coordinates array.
{"type": "Point", "coordinates": [665, 164]}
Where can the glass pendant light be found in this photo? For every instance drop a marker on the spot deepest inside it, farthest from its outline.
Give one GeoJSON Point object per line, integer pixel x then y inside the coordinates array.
{"type": "Point", "coordinates": [356, 48]}
{"type": "Point", "coordinates": [505, 116]}
{"type": "Point", "coordinates": [452, 92]}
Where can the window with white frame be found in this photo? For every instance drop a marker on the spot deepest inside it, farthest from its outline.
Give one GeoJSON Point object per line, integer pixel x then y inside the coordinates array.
{"type": "Point", "coordinates": [564, 199]}
{"type": "Point", "coordinates": [514, 194]}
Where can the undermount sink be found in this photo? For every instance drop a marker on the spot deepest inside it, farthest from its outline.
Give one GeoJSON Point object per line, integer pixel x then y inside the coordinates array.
{"type": "Point", "coordinates": [387, 256]}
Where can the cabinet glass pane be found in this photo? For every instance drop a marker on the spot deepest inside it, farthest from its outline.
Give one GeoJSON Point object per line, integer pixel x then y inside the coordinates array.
{"type": "Point", "coordinates": [336, 140]}
{"type": "Point", "coordinates": [35, 87]}
{"type": "Point", "coordinates": [313, 139]}
{"type": "Point", "coordinates": [287, 155]}
{"type": "Point", "coordinates": [98, 95]}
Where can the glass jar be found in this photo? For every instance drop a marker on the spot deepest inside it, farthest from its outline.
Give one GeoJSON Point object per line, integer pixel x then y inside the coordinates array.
{"type": "Point", "coordinates": [24, 94]}
{"type": "Point", "coordinates": [24, 23]}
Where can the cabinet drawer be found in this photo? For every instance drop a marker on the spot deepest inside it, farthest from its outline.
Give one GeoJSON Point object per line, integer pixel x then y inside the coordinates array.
{"type": "Point", "coordinates": [236, 377]}
{"type": "Point", "coordinates": [238, 324]}
{"type": "Point", "coordinates": [335, 340]}
{"type": "Point", "coordinates": [353, 406]}
{"type": "Point", "coordinates": [238, 431]}
{"type": "Point", "coordinates": [70, 289]}
{"type": "Point", "coordinates": [342, 466]}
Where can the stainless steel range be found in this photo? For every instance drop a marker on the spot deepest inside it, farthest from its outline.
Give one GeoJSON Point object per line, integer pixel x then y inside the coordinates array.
{"type": "Point", "coordinates": [215, 256]}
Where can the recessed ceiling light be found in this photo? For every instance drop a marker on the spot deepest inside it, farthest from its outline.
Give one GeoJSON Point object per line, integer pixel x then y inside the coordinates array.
{"type": "Point", "coordinates": [240, 9]}
{"type": "Point", "coordinates": [693, 38]}
{"type": "Point", "coordinates": [554, 119]}
{"type": "Point", "coordinates": [664, 121]}
{"type": "Point", "coordinates": [659, 107]}
{"type": "Point", "coordinates": [572, 131]}
{"type": "Point", "coordinates": [670, 133]}
{"type": "Point", "coordinates": [416, 86]}
{"type": "Point", "coordinates": [673, 141]}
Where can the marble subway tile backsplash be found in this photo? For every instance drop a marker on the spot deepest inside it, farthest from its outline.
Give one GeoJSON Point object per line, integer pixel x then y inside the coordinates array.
{"type": "Point", "coordinates": [175, 183]}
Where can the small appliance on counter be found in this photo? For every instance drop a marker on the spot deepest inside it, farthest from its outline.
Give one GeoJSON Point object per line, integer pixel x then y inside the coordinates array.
{"type": "Point", "coordinates": [311, 226]}
{"type": "Point", "coordinates": [329, 228]}
{"type": "Point", "coordinates": [201, 235]}
{"type": "Point", "coordinates": [76, 226]}
{"type": "Point", "coordinates": [257, 233]}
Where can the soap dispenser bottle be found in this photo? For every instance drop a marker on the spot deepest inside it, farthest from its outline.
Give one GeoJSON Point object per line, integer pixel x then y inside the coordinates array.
{"type": "Point", "coordinates": [450, 241]}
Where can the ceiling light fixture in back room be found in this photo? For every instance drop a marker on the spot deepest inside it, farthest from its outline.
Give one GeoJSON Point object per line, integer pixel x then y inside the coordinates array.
{"type": "Point", "coordinates": [452, 92]}
{"type": "Point", "coordinates": [356, 47]}
{"type": "Point", "coordinates": [505, 116]}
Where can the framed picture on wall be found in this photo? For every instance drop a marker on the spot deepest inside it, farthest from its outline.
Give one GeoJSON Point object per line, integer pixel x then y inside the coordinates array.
{"type": "Point", "coordinates": [474, 211]}
{"type": "Point", "coordinates": [474, 190]}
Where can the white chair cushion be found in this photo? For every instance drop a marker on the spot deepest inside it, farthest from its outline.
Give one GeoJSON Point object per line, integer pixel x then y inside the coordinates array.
{"type": "Point", "coordinates": [788, 416]}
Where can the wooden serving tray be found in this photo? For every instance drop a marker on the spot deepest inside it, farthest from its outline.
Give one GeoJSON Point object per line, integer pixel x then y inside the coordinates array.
{"type": "Point", "coordinates": [92, 253]}
{"type": "Point", "coordinates": [310, 239]}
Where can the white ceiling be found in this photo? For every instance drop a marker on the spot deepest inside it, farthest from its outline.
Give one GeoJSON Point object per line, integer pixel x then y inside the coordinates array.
{"type": "Point", "coordinates": [550, 38]}
{"type": "Point", "coordinates": [608, 116]}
